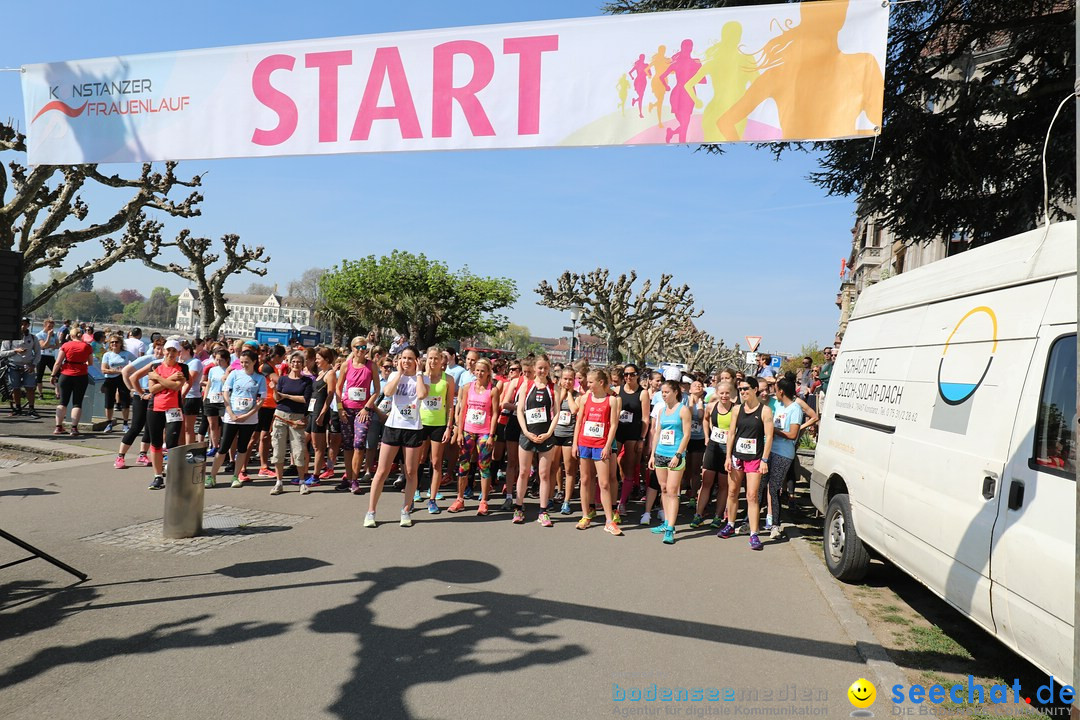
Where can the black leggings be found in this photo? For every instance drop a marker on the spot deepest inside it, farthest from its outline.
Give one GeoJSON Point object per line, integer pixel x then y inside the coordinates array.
{"type": "Point", "coordinates": [72, 389]}
{"type": "Point", "coordinates": [114, 387]}
{"type": "Point", "coordinates": [231, 432]}
{"type": "Point", "coordinates": [138, 421]}
{"type": "Point", "coordinates": [169, 432]}
{"type": "Point", "coordinates": [45, 363]}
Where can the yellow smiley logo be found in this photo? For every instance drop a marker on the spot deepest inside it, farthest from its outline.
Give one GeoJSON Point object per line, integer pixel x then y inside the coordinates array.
{"type": "Point", "coordinates": [862, 693]}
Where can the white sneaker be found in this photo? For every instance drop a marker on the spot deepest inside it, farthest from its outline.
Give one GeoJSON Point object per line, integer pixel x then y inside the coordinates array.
{"type": "Point", "coordinates": [775, 533]}
{"type": "Point", "coordinates": [369, 520]}
{"type": "Point", "coordinates": [646, 517]}
{"type": "Point", "coordinates": [406, 521]}
{"type": "Point", "coordinates": [279, 488]}
{"type": "Point", "coordinates": [304, 489]}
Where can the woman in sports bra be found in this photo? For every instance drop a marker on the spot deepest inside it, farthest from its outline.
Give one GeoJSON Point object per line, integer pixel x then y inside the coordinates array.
{"type": "Point", "coordinates": [322, 390]}
{"type": "Point", "coordinates": [537, 417]}
{"type": "Point", "coordinates": [717, 425]}
{"type": "Point", "coordinates": [474, 432]}
{"type": "Point", "coordinates": [746, 452]}
{"type": "Point", "coordinates": [633, 426]}
{"type": "Point", "coordinates": [597, 423]}
{"type": "Point", "coordinates": [669, 454]}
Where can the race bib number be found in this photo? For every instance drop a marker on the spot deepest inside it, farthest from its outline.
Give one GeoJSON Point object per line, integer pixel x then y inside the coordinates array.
{"type": "Point", "coordinates": [626, 416]}
{"type": "Point", "coordinates": [564, 417]}
{"type": "Point", "coordinates": [593, 429]}
{"type": "Point", "coordinates": [216, 397]}
{"type": "Point", "coordinates": [311, 405]}
{"type": "Point", "coordinates": [667, 437]}
{"type": "Point", "coordinates": [385, 405]}
{"type": "Point", "coordinates": [747, 446]}
{"type": "Point", "coordinates": [173, 415]}
{"type": "Point", "coordinates": [536, 416]}
{"type": "Point", "coordinates": [244, 403]}
{"type": "Point", "coordinates": [476, 416]}
{"type": "Point", "coordinates": [408, 412]}
{"type": "Point", "coordinates": [433, 404]}
{"type": "Point", "coordinates": [357, 394]}
{"type": "Point", "coordinates": [719, 436]}
{"type": "Point", "coordinates": [696, 427]}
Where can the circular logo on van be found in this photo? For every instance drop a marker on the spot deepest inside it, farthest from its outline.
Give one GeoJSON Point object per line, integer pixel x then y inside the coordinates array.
{"type": "Point", "coordinates": [961, 374]}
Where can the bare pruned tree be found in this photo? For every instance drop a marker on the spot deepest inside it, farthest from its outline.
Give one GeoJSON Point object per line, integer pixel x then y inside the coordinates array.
{"type": "Point", "coordinates": [37, 216]}
{"type": "Point", "coordinates": [613, 308]}
{"type": "Point", "coordinates": [209, 281]}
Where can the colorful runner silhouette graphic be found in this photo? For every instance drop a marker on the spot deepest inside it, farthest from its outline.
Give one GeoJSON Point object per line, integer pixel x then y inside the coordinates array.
{"type": "Point", "coordinates": [659, 64]}
{"type": "Point", "coordinates": [729, 70]}
{"type": "Point", "coordinates": [811, 80]}
{"type": "Point", "coordinates": [684, 66]}
{"type": "Point", "coordinates": [640, 72]}
{"type": "Point", "coordinates": [623, 87]}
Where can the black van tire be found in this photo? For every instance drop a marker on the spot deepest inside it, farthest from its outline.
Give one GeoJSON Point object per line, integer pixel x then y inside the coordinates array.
{"type": "Point", "coordinates": [845, 555]}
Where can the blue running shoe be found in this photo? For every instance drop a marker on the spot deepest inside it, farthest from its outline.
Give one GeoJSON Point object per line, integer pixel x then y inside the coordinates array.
{"type": "Point", "coordinates": [566, 509]}
{"type": "Point", "coordinates": [433, 507]}
{"type": "Point", "coordinates": [659, 529]}
{"type": "Point", "coordinates": [312, 481]}
{"type": "Point", "coordinates": [669, 536]}
{"type": "Point", "coordinates": [755, 543]}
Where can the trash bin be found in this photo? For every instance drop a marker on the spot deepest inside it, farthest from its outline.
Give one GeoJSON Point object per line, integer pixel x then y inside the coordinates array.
{"type": "Point", "coordinates": [184, 491]}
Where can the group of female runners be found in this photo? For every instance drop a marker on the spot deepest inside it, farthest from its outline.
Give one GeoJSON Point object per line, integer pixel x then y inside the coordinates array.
{"type": "Point", "coordinates": [608, 433]}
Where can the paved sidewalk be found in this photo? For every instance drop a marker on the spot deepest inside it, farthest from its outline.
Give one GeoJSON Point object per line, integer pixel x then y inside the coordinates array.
{"type": "Point", "coordinates": [289, 609]}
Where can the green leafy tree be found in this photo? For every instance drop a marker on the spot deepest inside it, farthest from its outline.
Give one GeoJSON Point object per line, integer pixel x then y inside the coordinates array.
{"type": "Point", "coordinates": [516, 338]}
{"type": "Point", "coordinates": [416, 295]}
{"type": "Point", "coordinates": [970, 90]}
{"type": "Point", "coordinates": [794, 363]}
{"type": "Point", "coordinates": [159, 310]}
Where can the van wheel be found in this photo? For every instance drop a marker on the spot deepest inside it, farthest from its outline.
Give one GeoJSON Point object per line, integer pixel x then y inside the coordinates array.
{"type": "Point", "coordinates": [845, 555]}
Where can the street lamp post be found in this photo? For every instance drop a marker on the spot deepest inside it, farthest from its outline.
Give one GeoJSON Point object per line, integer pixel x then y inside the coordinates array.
{"type": "Point", "coordinates": [575, 315]}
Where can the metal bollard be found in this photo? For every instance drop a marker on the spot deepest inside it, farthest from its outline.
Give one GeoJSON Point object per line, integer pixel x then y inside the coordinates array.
{"type": "Point", "coordinates": [184, 491]}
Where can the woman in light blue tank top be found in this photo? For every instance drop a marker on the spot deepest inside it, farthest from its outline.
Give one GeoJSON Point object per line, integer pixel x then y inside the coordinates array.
{"type": "Point", "coordinates": [669, 455]}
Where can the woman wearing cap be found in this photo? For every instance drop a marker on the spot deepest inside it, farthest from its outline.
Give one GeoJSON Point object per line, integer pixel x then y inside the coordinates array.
{"type": "Point", "coordinates": [354, 394]}
{"type": "Point", "coordinates": [747, 451]}
{"type": "Point", "coordinates": [165, 418]}
{"type": "Point", "coordinates": [243, 390]}
{"type": "Point", "coordinates": [669, 454]}
{"type": "Point", "coordinates": [70, 375]}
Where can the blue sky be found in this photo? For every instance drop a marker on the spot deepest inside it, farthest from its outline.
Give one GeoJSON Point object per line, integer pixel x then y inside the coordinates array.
{"type": "Point", "coordinates": [758, 244]}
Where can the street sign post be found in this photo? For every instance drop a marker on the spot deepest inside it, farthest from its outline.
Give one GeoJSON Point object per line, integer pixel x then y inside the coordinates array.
{"type": "Point", "coordinates": [753, 341]}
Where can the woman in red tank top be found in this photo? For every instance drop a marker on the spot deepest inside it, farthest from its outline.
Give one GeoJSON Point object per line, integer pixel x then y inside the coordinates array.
{"type": "Point", "coordinates": [598, 417]}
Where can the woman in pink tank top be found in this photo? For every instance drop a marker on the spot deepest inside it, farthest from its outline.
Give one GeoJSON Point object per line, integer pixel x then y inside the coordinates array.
{"type": "Point", "coordinates": [478, 415]}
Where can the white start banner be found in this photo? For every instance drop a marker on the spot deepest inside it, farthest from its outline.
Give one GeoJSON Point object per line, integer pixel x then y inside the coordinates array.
{"type": "Point", "coordinates": [801, 71]}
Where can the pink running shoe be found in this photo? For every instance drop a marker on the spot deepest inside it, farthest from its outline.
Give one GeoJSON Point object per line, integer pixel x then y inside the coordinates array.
{"type": "Point", "coordinates": [119, 464]}
{"type": "Point", "coordinates": [142, 460]}
{"type": "Point", "coordinates": [327, 474]}
{"type": "Point", "coordinates": [244, 477]}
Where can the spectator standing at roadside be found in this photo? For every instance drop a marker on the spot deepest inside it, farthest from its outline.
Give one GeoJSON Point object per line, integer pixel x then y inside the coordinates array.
{"type": "Point", "coordinates": [22, 356]}
{"type": "Point", "coordinates": [823, 377]}
{"type": "Point", "coordinates": [49, 342]}
{"type": "Point", "coordinates": [765, 368]}
{"type": "Point", "coordinates": [806, 377]}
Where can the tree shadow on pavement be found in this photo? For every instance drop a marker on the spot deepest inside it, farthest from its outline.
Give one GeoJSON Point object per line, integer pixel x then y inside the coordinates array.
{"type": "Point", "coordinates": [54, 607]}
{"type": "Point", "coordinates": [437, 650]}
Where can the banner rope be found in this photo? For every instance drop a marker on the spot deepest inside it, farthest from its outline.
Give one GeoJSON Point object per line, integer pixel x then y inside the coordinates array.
{"type": "Point", "coordinates": [18, 69]}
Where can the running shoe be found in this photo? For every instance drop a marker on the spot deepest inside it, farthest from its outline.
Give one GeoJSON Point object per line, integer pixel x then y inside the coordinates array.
{"type": "Point", "coordinates": [58, 431]}
{"type": "Point", "coordinates": [354, 488]}
{"type": "Point", "coordinates": [617, 519]}
{"type": "Point", "coordinates": [304, 489]}
{"type": "Point", "coordinates": [369, 519]}
{"type": "Point", "coordinates": [164, 455]}
{"type": "Point", "coordinates": [406, 521]}
{"type": "Point", "coordinates": [544, 519]}
{"type": "Point", "coordinates": [717, 523]}
{"type": "Point", "coordinates": [128, 427]}
{"type": "Point", "coordinates": [265, 472]}
{"type": "Point", "coordinates": [312, 481]}
{"type": "Point", "coordinates": [230, 467]}
{"type": "Point", "coordinates": [106, 429]}
{"type": "Point", "coordinates": [142, 460]}
{"type": "Point", "coordinates": [210, 452]}
{"type": "Point", "coordinates": [727, 531]}
{"type": "Point", "coordinates": [508, 504]}
{"type": "Point", "coordinates": [755, 543]}
{"type": "Point", "coordinates": [236, 482]}
{"type": "Point", "coordinates": [295, 481]}
{"type": "Point", "coordinates": [209, 481]}
{"type": "Point", "coordinates": [659, 529]}
{"type": "Point", "coordinates": [613, 529]}
{"type": "Point", "coordinates": [768, 522]}
{"type": "Point", "coordinates": [158, 483]}
{"type": "Point", "coordinates": [620, 510]}
{"type": "Point", "coordinates": [342, 486]}
{"type": "Point", "coordinates": [438, 495]}
{"type": "Point", "coordinates": [586, 520]}
{"type": "Point", "coordinates": [119, 464]}
{"type": "Point", "coordinates": [278, 488]}
{"type": "Point", "coordinates": [433, 507]}
{"type": "Point", "coordinates": [519, 517]}
{"type": "Point", "coordinates": [399, 484]}
{"type": "Point", "coordinates": [457, 506]}
{"type": "Point", "coordinates": [646, 518]}
{"type": "Point", "coordinates": [75, 432]}
{"type": "Point", "coordinates": [696, 521]}
{"type": "Point", "coordinates": [669, 536]}
{"type": "Point", "coordinates": [483, 508]}
{"type": "Point", "coordinates": [328, 474]}
{"type": "Point", "coordinates": [566, 509]}
{"type": "Point", "coordinates": [243, 477]}
{"type": "Point", "coordinates": [559, 497]}
{"type": "Point", "coordinates": [660, 515]}
{"type": "Point", "coordinates": [416, 497]}
{"type": "Point", "coordinates": [775, 532]}
{"type": "Point", "coordinates": [742, 528]}
{"type": "Point", "coordinates": [469, 494]}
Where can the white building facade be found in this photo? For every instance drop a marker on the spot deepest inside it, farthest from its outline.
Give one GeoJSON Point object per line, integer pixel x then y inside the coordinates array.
{"type": "Point", "coordinates": [245, 312]}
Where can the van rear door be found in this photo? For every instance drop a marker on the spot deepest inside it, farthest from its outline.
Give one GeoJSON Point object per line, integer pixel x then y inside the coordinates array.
{"type": "Point", "coordinates": [1032, 557]}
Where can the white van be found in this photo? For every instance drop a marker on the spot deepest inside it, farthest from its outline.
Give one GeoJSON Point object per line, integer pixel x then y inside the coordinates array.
{"type": "Point", "coordinates": [948, 441]}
